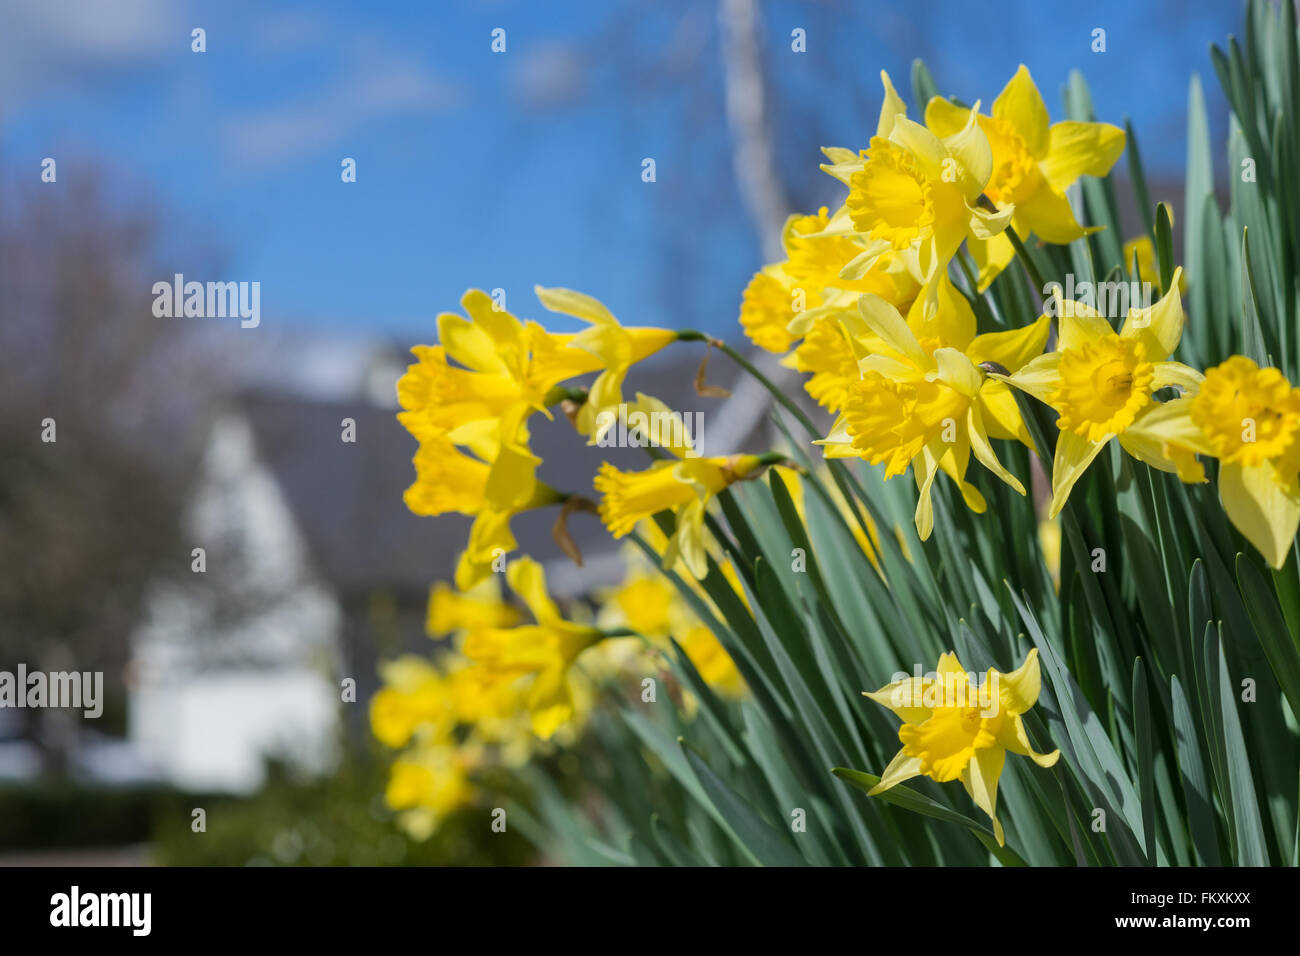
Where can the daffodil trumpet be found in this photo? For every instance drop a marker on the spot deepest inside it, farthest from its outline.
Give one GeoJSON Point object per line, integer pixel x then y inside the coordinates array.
{"type": "Point", "coordinates": [685, 487]}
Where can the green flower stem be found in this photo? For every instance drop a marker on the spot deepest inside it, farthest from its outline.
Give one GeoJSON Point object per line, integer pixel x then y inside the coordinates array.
{"type": "Point", "coordinates": [691, 335]}
{"type": "Point", "coordinates": [606, 633]}
{"type": "Point", "coordinates": [562, 393]}
{"type": "Point", "coordinates": [840, 474]}
{"type": "Point", "coordinates": [1031, 269]}
{"type": "Point", "coordinates": [978, 298]}
{"type": "Point", "coordinates": [1022, 254]}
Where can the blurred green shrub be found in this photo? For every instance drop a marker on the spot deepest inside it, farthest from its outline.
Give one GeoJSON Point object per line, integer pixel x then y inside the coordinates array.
{"type": "Point", "coordinates": [291, 821]}
{"type": "Point", "coordinates": [338, 821]}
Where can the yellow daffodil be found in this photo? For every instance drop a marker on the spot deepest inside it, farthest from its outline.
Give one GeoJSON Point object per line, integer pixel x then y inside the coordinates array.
{"type": "Point", "coordinates": [1034, 161]}
{"type": "Point", "coordinates": [414, 696]}
{"type": "Point", "coordinates": [923, 398]}
{"type": "Point", "coordinates": [1101, 384]}
{"type": "Point", "coordinates": [490, 541]}
{"type": "Point", "coordinates": [447, 479]}
{"type": "Point", "coordinates": [827, 353]}
{"type": "Point", "coordinates": [769, 303]}
{"type": "Point", "coordinates": [470, 419]}
{"type": "Point", "coordinates": [455, 720]}
{"type": "Point", "coordinates": [648, 603]}
{"type": "Point", "coordinates": [491, 712]}
{"type": "Point", "coordinates": [481, 606]}
{"type": "Point", "coordinates": [537, 655]}
{"type": "Point", "coordinates": [505, 369]}
{"type": "Point", "coordinates": [954, 730]}
{"type": "Point", "coordinates": [711, 659]}
{"type": "Point", "coordinates": [427, 783]}
{"type": "Point", "coordinates": [1250, 419]}
{"type": "Point", "coordinates": [918, 194]}
{"type": "Point", "coordinates": [616, 349]}
{"type": "Point", "coordinates": [1049, 540]}
{"type": "Point", "coordinates": [786, 299]}
{"type": "Point", "coordinates": [643, 602]}
{"type": "Point", "coordinates": [683, 487]}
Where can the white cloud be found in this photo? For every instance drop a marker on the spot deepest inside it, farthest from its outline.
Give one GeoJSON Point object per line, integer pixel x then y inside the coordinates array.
{"type": "Point", "coordinates": [549, 75]}
{"type": "Point", "coordinates": [327, 117]}
{"type": "Point", "coordinates": [47, 44]}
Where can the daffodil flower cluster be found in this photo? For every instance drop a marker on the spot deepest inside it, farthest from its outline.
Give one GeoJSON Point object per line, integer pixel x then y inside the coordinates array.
{"type": "Point", "coordinates": [506, 688]}
{"type": "Point", "coordinates": [1103, 384]}
{"type": "Point", "coordinates": [510, 686]}
{"type": "Point", "coordinates": [887, 304]}
{"type": "Point", "coordinates": [865, 304]}
{"type": "Point", "coordinates": [890, 343]}
{"type": "Point", "coordinates": [468, 401]}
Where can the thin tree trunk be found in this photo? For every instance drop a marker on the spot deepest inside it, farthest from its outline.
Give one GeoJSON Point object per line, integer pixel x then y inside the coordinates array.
{"type": "Point", "coordinates": [748, 118]}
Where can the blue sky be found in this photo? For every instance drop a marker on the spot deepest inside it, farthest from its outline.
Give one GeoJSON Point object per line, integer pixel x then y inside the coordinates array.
{"type": "Point", "coordinates": [502, 170]}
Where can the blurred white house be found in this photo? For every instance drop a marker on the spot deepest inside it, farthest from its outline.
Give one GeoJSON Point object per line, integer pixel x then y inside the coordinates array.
{"type": "Point", "coordinates": [223, 674]}
{"type": "Point", "coordinates": [313, 571]}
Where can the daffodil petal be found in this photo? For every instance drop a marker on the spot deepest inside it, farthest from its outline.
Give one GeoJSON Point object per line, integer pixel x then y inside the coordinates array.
{"type": "Point", "coordinates": [903, 698]}
{"type": "Point", "coordinates": [1022, 106]}
{"type": "Point", "coordinates": [527, 579]}
{"type": "Point", "coordinates": [991, 256]}
{"type": "Point", "coordinates": [970, 148]}
{"type": "Point", "coordinates": [864, 261]}
{"type": "Point", "coordinates": [945, 118]}
{"type": "Point", "coordinates": [1160, 326]}
{"type": "Point", "coordinates": [927, 148]}
{"type": "Point", "coordinates": [884, 321]}
{"type": "Point", "coordinates": [489, 536]}
{"type": "Point", "coordinates": [901, 768]}
{"type": "Point", "coordinates": [577, 304]}
{"type": "Point", "coordinates": [891, 368]}
{"type": "Point", "coordinates": [1039, 377]}
{"type": "Point", "coordinates": [989, 223]}
{"type": "Point", "coordinates": [1012, 349]}
{"type": "Point", "coordinates": [1000, 413]}
{"type": "Point", "coordinates": [890, 109]}
{"type": "Point", "coordinates": [979, 444]}
{"type": "Point", "coordinates": [1073, 456]}
{"type": "Point", "coordinates": [1079, 323]}
{"type": "Point", "coordinates": [1164, 436]}
{"type": "Point", "coordinates": [1019, 689]}
{"type": "Point", "coordinates": [956, 371]}
{"type": "Point", "coordinates": [1178, 375]}
{"type": "Point", "coordinates": [1076, 149]}
{"type": "Point", "coordinates": [1013, 737]}
{"type": "Point", "coordinates": [1263, 505]}
{"type": "Point", "coordinates": [687, 543]}
{"type": "Point", "coordinates": [468, 344]}
{"type": "Point", "coordinates": [926, 467]}
{"type": "Point", "coordinates": [953, 458]}
{"type": "Point", "coordinates": [1049, 216]}
{"type": "Point", "coordinates": [981, 779]}
{"type": "Point", "coordinates": [952, 321]}
{"type": "Point", "coordinates": [505, 331]}
{"type": "Point", "coordinates": [949, 664]}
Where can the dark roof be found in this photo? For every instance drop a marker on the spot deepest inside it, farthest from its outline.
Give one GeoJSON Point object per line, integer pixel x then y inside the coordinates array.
{"type": "Point", "coordinates": [347, 498]}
